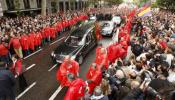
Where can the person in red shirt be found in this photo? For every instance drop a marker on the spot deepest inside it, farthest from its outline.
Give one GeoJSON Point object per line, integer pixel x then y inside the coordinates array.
{"type": "Point", "coordinates": [95, 80]}
{"type": "Point", "coordinates": [37, 40]}
{"type": "Point", "coordinates": [52, 33]}
{"type": "Point", "coordinates": [112, 52]}
{"type": "Point", "coordinates": [47, 33]}
{"type": "Point", "coordinates": [91, 71]}
{"type": "Point", "coordinates": [17, 69]}
{"type": "Point", "coordinates": [32, 40]}
{"type": "Point", "coordinates": [15, 42]}
{"type": "Point", "coordinates": [98, 49]}
{"type": "Point", "coordinates": [97, 31]}
{"type": "Point", "coordinates": [25, 44]}
{"type": "Point", "coordinates": [76, 90]}
{"type": "Point", "coordinates": [101, 59]}
{"type": "Point", "coordinates": [4, 53]}
{"type": "Point", "coordinates": [68, 66]}
{"type": "Point", "coordinates": [43, 36]}
{"type": "Point", "coordinates": [59, 28]}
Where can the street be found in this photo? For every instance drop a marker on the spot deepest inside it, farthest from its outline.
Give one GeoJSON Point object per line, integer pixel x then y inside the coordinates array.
{"type": "Point", "coordinates": [41, 73]}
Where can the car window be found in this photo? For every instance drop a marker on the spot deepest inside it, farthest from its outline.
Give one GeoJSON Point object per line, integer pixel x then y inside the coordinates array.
{"type": "Point", "coordinates": [73, 40]}
{"type": "Point", "coordinates": [88, 37]}
{"type": "Point", "coordinates": [106, 25]}
{"type": "Point", "coordinates": [92, 34]}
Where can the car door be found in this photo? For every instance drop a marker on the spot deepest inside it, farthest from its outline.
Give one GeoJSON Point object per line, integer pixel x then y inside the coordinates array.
{"type": "Point", "coordinates": [87, 44]}
{"type": "Point", "coordinates": [93, 39]}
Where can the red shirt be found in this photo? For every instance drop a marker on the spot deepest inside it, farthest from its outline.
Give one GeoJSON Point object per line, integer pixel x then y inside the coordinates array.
{"type": "Point", "coordinates": [90, 73]}
{"type": "Point", "coordinates": [24, 42]}
{"type": "Point", "coordinates": [15, 43]}
{"type": "Point", "coordinates": [102, 60]}
{"type": "Point", "coordinates": [76, 90]}
{"type": "Point", "coordinates": [17, 67]}
{"type": "Point", "coordinates": [3, 50]}
{"type": "Point", "coordinates": [96, 80]}
{"type": "Point", "coordinates": [32, 40]}
{"type": "Point", "coordinates": [65, 69]}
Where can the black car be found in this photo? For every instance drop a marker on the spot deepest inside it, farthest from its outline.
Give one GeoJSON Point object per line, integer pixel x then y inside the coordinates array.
{"type": "Point", "coordinates": [78, 44]}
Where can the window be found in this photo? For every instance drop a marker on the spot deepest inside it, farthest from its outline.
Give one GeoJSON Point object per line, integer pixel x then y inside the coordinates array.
{"type": "Point", "coordinates": [72, 5]}
{"type": "Point", "coordinates": [10, 4]}
{"type": "Point", "coordinates": [67, 6]}
{"type": "Point", "coordinates": [54, 7]}
{"type": "Point", "coordinates": [88, 38]}
{"type": "Point", "coordinates": [38, 3]}
{"type": "Point", "coordinates": [61, 6]}
{"type": "Point", "coordinates": [76, 5]}
{"type": "Point", "coordinates": [26, 4]}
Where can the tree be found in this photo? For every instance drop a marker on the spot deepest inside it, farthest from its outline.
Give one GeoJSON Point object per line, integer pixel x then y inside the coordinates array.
{"type": "Point", "coordinates": [166, 4]}
{"type": "Point", "coordinates": [114, 1]}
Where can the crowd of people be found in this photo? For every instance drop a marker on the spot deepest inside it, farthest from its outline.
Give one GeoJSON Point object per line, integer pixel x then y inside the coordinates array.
{"type": "Point", "coordinates": [140, 66]}
{"type": "Point", "coordinates": [22, 36]}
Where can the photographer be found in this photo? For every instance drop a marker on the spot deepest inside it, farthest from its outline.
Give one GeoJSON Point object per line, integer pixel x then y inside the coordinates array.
{"type": "Point", "coordinates": [117, 83]}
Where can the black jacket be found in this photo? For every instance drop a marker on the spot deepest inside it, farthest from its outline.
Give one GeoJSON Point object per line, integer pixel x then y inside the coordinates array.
{"type": "Point", "coordinates": [134, 94]}
{"type": "Point", "coordinates": [7, 83]}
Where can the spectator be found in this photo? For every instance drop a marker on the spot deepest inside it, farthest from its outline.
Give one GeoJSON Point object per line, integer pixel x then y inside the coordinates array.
{"type": "Point", "coordinates": [7, 83]}
{"type": "Point", "coordinates": [98, 94]}
{"type": "Point", "coordinates": [4, 54]}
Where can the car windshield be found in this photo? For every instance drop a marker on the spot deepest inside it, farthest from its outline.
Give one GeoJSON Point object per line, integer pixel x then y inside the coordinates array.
{"type": "Point", "coordinates": [74, 41]}
{"type": "Point", "coordinates": [106, 25]}
{"type": "Point", "coordinates": [116, 18]}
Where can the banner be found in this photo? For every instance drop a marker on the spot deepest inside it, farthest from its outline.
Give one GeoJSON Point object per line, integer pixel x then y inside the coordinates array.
{"type": "Point", "coordinates": [145, 12]}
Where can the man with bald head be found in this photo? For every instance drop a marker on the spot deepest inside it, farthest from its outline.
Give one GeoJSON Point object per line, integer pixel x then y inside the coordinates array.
{"type": "Point", "coordinates": [68, 66]}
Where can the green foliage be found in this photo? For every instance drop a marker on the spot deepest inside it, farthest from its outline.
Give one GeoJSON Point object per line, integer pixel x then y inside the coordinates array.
{"type": "Point", "coordinates": [167, 4]}
{"type": "Point", "coordinates": [154, 5]}
{"type": "Point", "coordinates": [114, 1]}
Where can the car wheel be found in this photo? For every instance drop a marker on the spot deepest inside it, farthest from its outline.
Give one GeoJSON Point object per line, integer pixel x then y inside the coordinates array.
{"type": "Point", "coordinates": [80, 60]}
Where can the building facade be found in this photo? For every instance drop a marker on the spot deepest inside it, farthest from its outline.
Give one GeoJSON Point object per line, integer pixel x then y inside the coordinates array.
{"type": "Point", "coordinates": [13, 6]}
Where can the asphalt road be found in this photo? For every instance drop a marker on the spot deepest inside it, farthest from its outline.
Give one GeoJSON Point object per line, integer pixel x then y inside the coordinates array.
{"type": "Point", "coordinates": [41, 73]}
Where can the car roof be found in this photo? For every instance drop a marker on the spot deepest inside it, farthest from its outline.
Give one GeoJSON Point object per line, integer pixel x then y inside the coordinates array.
{"type": "Point", "coordinates": [81, 31]}
{"type": "Point", "coordinates": [110, 22]}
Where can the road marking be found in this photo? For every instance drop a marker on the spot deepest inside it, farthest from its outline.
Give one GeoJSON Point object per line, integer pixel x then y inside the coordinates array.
{"type": "Point", "coordinates": [20, 95]}
{"type": "Point", "coordinates": [27, 69]}
{"type": "Point", "coordinates": [57, 40]}
{"type": "Point", "coordinates": [56, 93]}
{"type": "Point", "coordinates": [32, 54]}
{"type": "Point", "coordinates": [30, 67]}
{"type": "Point", "coordinates": [52, 67]}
